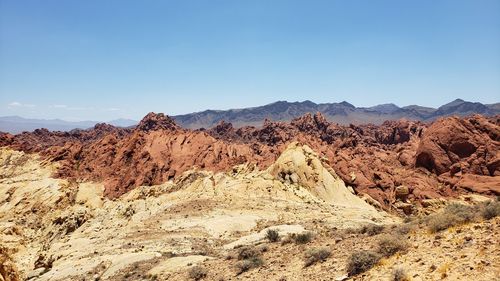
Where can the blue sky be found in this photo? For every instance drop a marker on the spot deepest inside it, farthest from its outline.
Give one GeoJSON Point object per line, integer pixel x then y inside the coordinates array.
{"type": "Point", "coordinates": [101, 60]}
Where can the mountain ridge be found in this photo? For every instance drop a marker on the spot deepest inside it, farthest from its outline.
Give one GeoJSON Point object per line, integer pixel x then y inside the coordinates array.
{"type": "Point", "coordinates": [342, 112]}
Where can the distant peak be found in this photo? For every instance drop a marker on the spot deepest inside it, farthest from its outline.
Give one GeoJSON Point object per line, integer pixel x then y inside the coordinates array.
{"type": "Point", "coordinates": [157, 121]}
{"type": "Point", "coordinates": [344, 103]}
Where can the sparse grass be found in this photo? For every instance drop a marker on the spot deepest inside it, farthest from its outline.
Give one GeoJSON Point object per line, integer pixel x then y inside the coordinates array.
{"type": "Point", "coordinates": [302, 238]}
{"type": "Point", "coordinates": [197, 273]}
{"type": "Point", "coordinates": [388, 245]}
{"type": "Point", "coordinates": [452, 215]}
{"type": "Point", "coordinates": [399, 274]}
{"type": "Point", "coordinates": [313, 256]}
{"type": "Point", "coordinates": [361, 261]}
{"type": "Point", "coordinates": [272, 235]}
{"type": "Point", "coordinates": [248, 264]}
{"type": "Point", "coordinates": [491, 210]}
{"type": "Point", "coordinates": [371, 229]}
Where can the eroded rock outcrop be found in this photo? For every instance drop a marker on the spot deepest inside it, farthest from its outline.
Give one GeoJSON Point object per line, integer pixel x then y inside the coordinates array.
{"type": "Point", "coordinates": [463, 152]}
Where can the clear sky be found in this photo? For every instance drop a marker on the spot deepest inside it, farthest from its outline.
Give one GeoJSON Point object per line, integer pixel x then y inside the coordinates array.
{"type": "Point", "coordinates": [103, 59]}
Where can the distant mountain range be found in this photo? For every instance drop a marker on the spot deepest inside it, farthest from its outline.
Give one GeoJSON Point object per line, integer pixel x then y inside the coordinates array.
{"type": "Point", "coordinates": [342, 113]}
{"type": "Point", "coordinates": [16, 124]}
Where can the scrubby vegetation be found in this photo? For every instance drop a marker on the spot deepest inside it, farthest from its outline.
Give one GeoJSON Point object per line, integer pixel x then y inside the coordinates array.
{"type": "Point", "coordinates": [491, 210]}
{"type": "Point", "coordinates": [361, 261]}
{"type": "Point", "coordinates": [248, 252]}
{"type": "Point", "coordinates": [302, 238]}
{"type": "Point", "coordinates": [249, 257]}
{"type": "Point", "coordinates": [371, 229]}
{"type": "Point", "coordinates": [452, 215]}
{"type": "Point", "coordinates": [248, 264]}
{"type": "Point", "coordinates": [272, 235]}
{"type": "Point", "coordinates": [197, 273]}
{"type": "Point", "coordinates": [313, 256]}
{"type": "Point", "coordinates": [388, 245]}
{"type": "Point", "coordinates": [399, 274]}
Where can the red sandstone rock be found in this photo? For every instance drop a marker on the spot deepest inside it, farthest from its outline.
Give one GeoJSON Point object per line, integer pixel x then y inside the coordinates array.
{"type": "Point", "coordinates": [375, 160]}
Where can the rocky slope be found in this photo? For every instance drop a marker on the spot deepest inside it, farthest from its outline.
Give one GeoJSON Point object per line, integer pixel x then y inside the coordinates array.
{"type": "Point", "coordinates": [59, 229]}
{"type": "Point", "coordinates": [54, 229]}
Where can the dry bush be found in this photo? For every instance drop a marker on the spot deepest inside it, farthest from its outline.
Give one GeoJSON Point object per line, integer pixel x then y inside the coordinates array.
{"type": "Point", "coordinates": [197, 273]}
{"type": "Point", "coordinates": [464, 212]}
{"type": "Point", "coordinates": [248, 264]}
{"type": "Point", "coordinates": [371, 229]}
{"type": "Point", "coordinates": [313, 256]}
{"type": "Point", "coordinates": [388, 245]}
{"type": "Point", "coordinates": [250, 258]}
{"type": "Point", "coordinates": [272, 235]}
{"type": "Point", "coordinates": [454, 214]}
{"type": "Point", "coordinates": [248, 252]}
{"type": "Point", "coordinates": [361, 261]}
{"type": "Point", "coordinates": [491, 210]}
{"type": "Point", "coordinates": [399, 274]}
{"type": "Point", "coordinates": [403, 229]}
{"type": "Point", "coordinates": [302, 238]}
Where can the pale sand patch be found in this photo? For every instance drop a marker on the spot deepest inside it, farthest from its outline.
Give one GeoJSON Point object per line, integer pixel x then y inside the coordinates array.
{"type": "Point", "coordinates": [217, 225]}
{"type": "Point", "coordinates": [255, 238]}
{"type": "Point", "coordinates": [90, 195]}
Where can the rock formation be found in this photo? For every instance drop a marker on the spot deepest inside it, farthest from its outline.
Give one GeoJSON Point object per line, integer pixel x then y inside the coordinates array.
{"type": "Point", "coordinates": [431, 160]}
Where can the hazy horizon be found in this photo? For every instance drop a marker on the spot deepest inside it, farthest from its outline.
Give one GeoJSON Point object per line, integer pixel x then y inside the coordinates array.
{"type": "Point", "coordinates": [216, 109]}
{"type": "Point", "coordinates": [97, 60]}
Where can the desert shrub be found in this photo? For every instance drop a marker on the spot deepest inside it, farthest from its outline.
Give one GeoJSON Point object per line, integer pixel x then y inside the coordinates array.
{"type": "Point", "coordinates": [361, 261]}
{"type": "Point", "coordinates": [453, 214]}
{"type": "Point", "coordinates": [197, 273]}
{"type": "Point", "coordinates": [248, 252]}
{"type": "Point", "coordinates": [272, 235]}
{"type": "Point", "coordinates": [388, 245]}
{"type": "Point", "coordinates": [399, 274]}
{"type": "Point", "coordinates": [248, 264]}
{"type": "Point", "coordinates": [302, 238]}
{"type": "Point", "coordinates": [371, 229]}
{"type": "Point", "coordinates": [491, 210]}
{"type": "Point", "coordinates": [313, 256]}
{"type": "Point", "coordinates": [403, 229]}
{"type": "Point", "coordinates": [464, 212]}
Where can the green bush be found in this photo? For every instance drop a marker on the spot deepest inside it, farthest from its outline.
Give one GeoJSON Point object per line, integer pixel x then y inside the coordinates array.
{"type": "Point", "coordinates": [313, 256]}
{"type": "Point", "coordinates": [361, 261]}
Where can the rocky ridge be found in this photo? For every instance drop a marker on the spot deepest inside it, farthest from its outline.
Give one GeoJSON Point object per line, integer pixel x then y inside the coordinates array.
{"type": "Point", "coordinates": [397, 160]}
